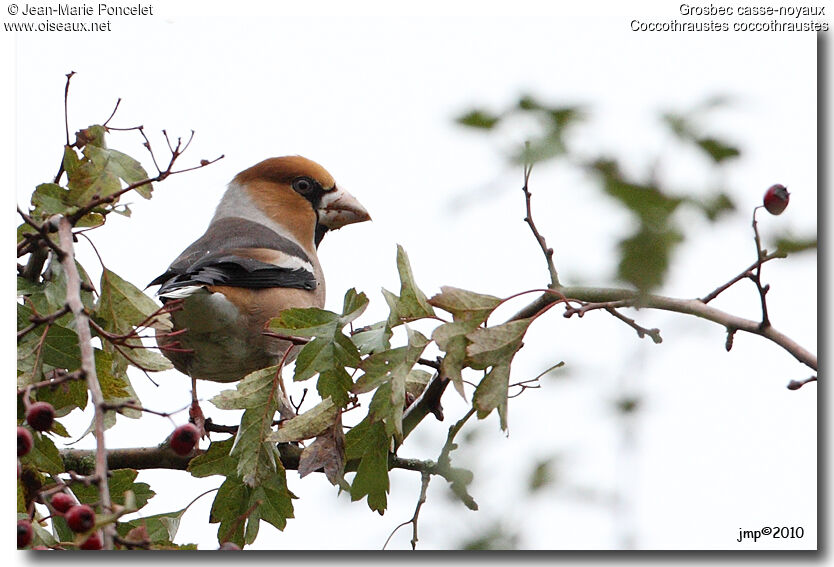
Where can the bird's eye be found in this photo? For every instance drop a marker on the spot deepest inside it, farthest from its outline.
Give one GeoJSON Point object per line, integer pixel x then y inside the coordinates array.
{"type": "Point", "coordinates": [303, 185]}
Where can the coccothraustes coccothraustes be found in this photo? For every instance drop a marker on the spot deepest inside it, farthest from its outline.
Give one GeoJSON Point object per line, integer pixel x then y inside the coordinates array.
{"type": "Point", "coordinates": [257, 258]}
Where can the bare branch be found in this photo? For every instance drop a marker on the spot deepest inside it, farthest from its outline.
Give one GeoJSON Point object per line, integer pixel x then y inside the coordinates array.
{"type": "Point", "coordinates": [88, 364]}
{"type": "Point", "coordinates": [547, 251]}
{"type": "Point", "coordinates": [694, 307]}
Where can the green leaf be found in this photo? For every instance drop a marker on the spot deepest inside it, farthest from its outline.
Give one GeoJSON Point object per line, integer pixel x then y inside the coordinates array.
{"type": "Point", "coordinates": [645, 257]}
{"type": "Point", "coordinates": [330, 351]}
{"type": "Point", "coordinates": [49, 199]}
{"type": "Point", "coordinates": [147, 359]}
{"type": "Point", "coordinates": [66, 396]}
{"type": "Point", "coordinates": [90, 177]}
{"type": "Point", "coordinates": [369, 443]}
{"type": "Point", "coordinates": [239, 508]}
{"type": "Point", "coordinates": [229, 508]}
{"type": "Point", "coordinates": [465, 305]}
{"type": "Point", "coordinates": [120, 482]}
{"type": "Point", "coordinates": [478, 119]}
{"type": "Point", "coordinates": [214, 461]}
{"type": "Point", "coordinates": [392, 369]}
{"type": "Point", "coordinates": [121, 305]}
{"type": "Point", "coordinates": [60, 349]}
{"type": "Point", "coordinates": [115, 385]}
{"type": "Point", "coordinates": [374, 338]}
{"type": "Point", "coordinates": [309, 322]}
{"type": "Point", "coordinates": [789, 244]}
{"type": "Point", "coordinates": [491, 393]}
{"type": "Point", "coordinates": [307, 425]}
{"type": "Point", "coordinates": [161, 528]}
{"type": "Point", "coordinates": [716, 205]}
{"type": "Point", "coordinates": [496, 345]}
{"type": "Point", "coordinates": [257, 394]}
{"type": "Point", "coordinates": [717, 150]}
{"type": "Point", "coordinates": [411, 303]}
{"type": "Point", "coordinates": [129, 170]}
{"type": "Point", "coordinates": [44, 455]}
{"type": "Point", "coordinates": [451, 338]}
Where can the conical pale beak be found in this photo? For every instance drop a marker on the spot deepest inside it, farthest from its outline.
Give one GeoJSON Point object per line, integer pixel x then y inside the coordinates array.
{"type": "Point", "coordinates": [339, 208]}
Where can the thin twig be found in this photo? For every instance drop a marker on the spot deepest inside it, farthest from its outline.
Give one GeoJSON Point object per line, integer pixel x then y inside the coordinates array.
{"type": "Point", "coordinates": [112, 114]}
{"type": "Point", "coordinates": [757, 276]}
{"type": "Point", "coordinates": [687, 306]}
{"type": "Point", "coordinates": [425, 479]}
{"type": "Point", "coordinates": [747, 273]}
{"type": "Point", "coordinates": [88, 364]}
{"type": "Point", "coordinates": [546, 250]}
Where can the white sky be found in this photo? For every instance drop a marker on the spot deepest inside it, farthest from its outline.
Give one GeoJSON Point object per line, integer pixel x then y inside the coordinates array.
{"type": "Point", "coordinates": [370, 92]}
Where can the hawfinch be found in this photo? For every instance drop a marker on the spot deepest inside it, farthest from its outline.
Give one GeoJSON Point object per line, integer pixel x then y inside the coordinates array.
{"type": "Point", "coordinates": [257, 258]}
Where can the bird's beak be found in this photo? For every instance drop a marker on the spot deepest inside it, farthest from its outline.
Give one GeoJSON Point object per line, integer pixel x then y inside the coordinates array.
{"type": "Point", "coordinates": [339, 208]}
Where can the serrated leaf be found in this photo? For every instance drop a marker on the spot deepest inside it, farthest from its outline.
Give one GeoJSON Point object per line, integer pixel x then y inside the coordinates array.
{"type": "Point", "coordinates": [463, 304]}
{"type": "Point", "coordinates": [65, 396]}
{"type": "Point", "coordinates": [121, 305]}
{"type": "Point", "coordinates": [411, 304]}
{"type": "Point", "coordinates": [49, 199]}
{"type": "Point", "coordinates": [353, 306]}
{"type": "Point", "coordinates": [90, 177]}
{"type": "Point", "coordinates": [327, 452]}
{"type": "Point", "coordinates": [451, 338]}
{"type": "Point", "coordinates": [307, 425]}
{"type": "Point", "coordinates": [309, 322]}
{"type": "Point", "coordinates": [229, 508]}
{"type": "Point", "coordinates": [496, 345]}
{"type": "Point", "coordinates": [44, 455]}
{"type": "Point", "coordinates": [215, 460]}
{"type": "Point", "coordinates": [120, 482]}
{"type": "Point", "coordinates": [374, 338]}
{"type": "Point", "coordinates": [330, 351]}
{"type": "Point", "coordinates": [159, 528]}
{"type": "Point", "coordinates": [148, 360]}
{"type": "Point", "coordinates": [129, 170]}
{"type": "Point", "coordinates": [258, 395]}
{"type": "Point", "coordinates": [491, 393]}
{"type": "Point", "coordinates": [368, 442]}
{"type": "Point", "coordinates": [60, 348]}
{"type": "Point", "coordinates": [239, 508]}
{"type": "Point", "coordinates": [391, 369]}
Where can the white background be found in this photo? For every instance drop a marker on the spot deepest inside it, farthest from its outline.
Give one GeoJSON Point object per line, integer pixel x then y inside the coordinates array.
{"type": "Point", "coordinates": [718, 444]}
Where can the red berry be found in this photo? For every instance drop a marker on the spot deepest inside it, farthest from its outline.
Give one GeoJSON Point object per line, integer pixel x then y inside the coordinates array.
{"type": "Point", "coordinates": [80, 518]}
{"type": "Point", "coordinates": [40, 416]}
{"type": "Point", "coordinates": [229, 546]}
{"type": "Point", "coordinates": [62, 502]}
{"type": "Point", "coordinates": [24, 441]}
{"type": "Point", "coordinates": [92, 543]}
{"type": "Point", "coordinates": [184, 438]}
{"type": "Point", "coordinates": [776, 199]}
{"type": "Point", "coordinates": [24, 533]}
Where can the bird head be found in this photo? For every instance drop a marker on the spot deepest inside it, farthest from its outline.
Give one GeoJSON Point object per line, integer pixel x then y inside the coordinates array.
{"type": "Point", "coordinates": [300, 194]}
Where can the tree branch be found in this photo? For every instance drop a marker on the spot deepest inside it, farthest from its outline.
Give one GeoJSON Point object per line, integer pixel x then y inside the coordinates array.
{"type": "Point", "coordinates": [686, 306]}
{"type": "Point", "coordinates": [88, 364]}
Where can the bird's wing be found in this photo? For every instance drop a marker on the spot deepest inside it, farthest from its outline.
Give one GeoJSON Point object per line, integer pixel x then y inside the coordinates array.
{"type": "Point", "coordinates": [238, 253]}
